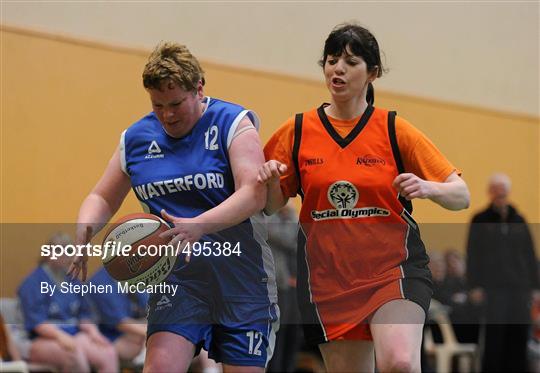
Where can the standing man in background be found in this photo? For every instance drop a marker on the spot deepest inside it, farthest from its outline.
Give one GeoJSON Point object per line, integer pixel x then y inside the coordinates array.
{"type": "Point", "coordinates": [502, 273]}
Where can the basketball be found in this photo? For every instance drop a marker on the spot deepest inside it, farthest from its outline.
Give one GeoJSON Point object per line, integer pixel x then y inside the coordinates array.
{"type": "Point", "coordinates": [139, 260]}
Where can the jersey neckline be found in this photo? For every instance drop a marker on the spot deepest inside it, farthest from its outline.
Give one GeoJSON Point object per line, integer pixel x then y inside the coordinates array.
{"type": "Point", "coordinates": [344, 141]}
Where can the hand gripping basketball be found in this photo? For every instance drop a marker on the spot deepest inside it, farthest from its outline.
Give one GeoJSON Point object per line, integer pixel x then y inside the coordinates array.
{"type": "Point", "coordinates": [185, 230]}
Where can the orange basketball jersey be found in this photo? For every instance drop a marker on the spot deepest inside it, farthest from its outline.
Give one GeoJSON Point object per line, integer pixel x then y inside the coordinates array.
{"type": "Point", "coordinates": [358, 245]}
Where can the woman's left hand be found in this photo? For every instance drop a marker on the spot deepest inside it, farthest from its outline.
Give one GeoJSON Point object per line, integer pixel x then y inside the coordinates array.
{"type": "Point", "coordinates": [411, 186]}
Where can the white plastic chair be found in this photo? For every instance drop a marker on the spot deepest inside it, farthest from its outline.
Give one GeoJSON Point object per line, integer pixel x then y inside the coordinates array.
{"type": "Point", "coordinates": [444, 352]}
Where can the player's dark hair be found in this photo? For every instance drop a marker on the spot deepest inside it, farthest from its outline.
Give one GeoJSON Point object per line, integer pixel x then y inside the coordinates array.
{"type": "Point", "coordinates": [360, 42]}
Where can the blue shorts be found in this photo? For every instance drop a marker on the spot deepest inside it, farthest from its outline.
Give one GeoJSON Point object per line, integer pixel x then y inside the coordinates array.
{"type": "Point", "coordinates": [235, 333]}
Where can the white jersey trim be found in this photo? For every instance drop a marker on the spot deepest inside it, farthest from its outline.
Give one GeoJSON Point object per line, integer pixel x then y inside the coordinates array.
{"type": "Point", "coordinates": [123, 152]}
{"type": "Point", "coordinates": [260, 234]}
{"type": "Point", "coordinates": [207, 99]}
{"type": "Point", "coordinates": [254, 118]}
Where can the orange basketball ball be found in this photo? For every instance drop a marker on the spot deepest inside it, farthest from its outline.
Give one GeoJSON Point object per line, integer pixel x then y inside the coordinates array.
{"type": "Point", "coordinates": [140, 263]}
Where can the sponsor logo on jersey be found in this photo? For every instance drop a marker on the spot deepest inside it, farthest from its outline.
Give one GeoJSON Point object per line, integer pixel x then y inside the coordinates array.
{"type": "Point", "coordinates": [313, 162]}
{"type": "Point", "coordinates": [163, 303]}
{"type": "Point", "coordinates": [154, 151]}
{"type": "Point", "coordinates": [370, 160]}
{"type": "Point", "coordinates": [209, 180]}
{"type": "Point", "coordinates": [343, 195]}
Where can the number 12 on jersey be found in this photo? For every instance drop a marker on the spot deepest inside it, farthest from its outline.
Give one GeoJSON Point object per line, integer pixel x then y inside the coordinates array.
{"type": "Point", "coordinates": [255, 337]}
{"type": "Point", "coordinates": [210, 138]}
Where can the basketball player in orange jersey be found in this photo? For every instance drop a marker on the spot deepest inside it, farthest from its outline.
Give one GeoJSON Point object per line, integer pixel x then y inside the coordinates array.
{"type": "Point", "coordinates": [363, 283]}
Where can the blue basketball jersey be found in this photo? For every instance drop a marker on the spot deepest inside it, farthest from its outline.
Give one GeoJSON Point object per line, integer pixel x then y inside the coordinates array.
{"type": "Point", "coordinates": [188, 176]}
{"type": "Point", "coordinates": [63, 308]}
{"type": "Point", "coordinates": [114, 307]}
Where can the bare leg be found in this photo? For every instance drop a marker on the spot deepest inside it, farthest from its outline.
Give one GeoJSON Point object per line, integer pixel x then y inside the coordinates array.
{"type": "Point", "coordinates": [49, 352]}
{"type": "Point", "coordinates": [101, 357]}
{"type": "Point", "coordinates": [397, 335]}
{"type": "Point", "coordinates": [207, 364]}
{"type": "Point", "coordinates": [128, 346]}
{"type": "Point", "coordinates": [241, 369]}
{"type": "Point", "coordinates": [168, 352]}
{"type": "Point", "coordinates": [348, 356]}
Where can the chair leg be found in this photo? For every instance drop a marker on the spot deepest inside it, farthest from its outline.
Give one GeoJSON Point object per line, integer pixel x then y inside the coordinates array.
{"type": "Point", "coordinates": [465, 363]}
{"type": "Point", "coordinates": [444, 361]}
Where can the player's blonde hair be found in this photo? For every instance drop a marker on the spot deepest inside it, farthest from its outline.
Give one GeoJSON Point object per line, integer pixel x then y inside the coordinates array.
{"type": "Point", "coordinates": [174, 62]}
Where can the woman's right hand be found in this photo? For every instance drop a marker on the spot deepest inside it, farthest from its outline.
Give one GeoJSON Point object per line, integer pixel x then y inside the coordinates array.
{"type": "Point", "coordinates": [80, 263]}
{"type": "Point", "coordinates": [270, 172]}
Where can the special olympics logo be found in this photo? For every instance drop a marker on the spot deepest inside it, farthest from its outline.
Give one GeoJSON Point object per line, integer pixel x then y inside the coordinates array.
{"type": "Point", "coordinates": [343, 195]}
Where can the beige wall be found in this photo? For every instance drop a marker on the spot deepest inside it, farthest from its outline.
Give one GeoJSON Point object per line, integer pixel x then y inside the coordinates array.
{"type": "Point", "coordinates": [64, 104]}
{"type": "Point", "coordinates": [484, 53]}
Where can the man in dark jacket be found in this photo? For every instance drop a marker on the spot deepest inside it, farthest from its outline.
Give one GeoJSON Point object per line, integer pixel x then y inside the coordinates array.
{"type": "Point", "coordinates": [502, 274]}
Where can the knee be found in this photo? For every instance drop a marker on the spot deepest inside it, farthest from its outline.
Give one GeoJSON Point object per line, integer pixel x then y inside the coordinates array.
{"type": "Point", "coordinates": [156, 366]}
{"type": "Point", "coordinates": [108, 359]}
{"type": "Point", "coordinates": [157, 363]}
{"type": "Point", "coordinates": [398, 362]}
{"type": "Point", "coordinates": [75, 361]}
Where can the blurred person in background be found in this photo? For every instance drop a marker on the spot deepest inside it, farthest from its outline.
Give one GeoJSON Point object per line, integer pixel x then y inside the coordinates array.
{"type": "Point", "coordinates": [121, 317]}
{"type": "Point", "coordinates": [464, 315]}
{"type": "Point", "coordinates": [437, 266]}
{"type": "Point", "coordinates": [282, 234]}
{"type": "Point", "coordinates": [60, 322]}
{"type": "Point", "coordinates": [502, 274]}
{"type": "Point", "coordinates": [10, 357]}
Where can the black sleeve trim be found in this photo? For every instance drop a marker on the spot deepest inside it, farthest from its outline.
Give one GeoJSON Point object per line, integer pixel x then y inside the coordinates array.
{"type": "Point", "coordinates": [397, 155]}
{"type": "Point", "coordinates": [296, 147]}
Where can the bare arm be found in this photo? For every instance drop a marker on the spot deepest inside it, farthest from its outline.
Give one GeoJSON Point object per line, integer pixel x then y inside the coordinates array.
{"type": "Point", "coordinates": [246, 157]}
{"type": "Point", "coordinates": [99, 206]}
{"type": "Point", "coordinates": [452, 194]}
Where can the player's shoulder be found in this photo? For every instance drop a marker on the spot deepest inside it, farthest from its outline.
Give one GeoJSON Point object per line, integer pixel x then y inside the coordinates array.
{"type": "Point", "coordinates": [149, 122]}
{"type": "Point", "coordinates": [217, 103]}
{"type": "Point", "coordinates": [37, 275]}
{"type": "Point", "coordinates": [407, 134]}
{"type": "Point", "coordinates": [285, 130]}
{"type": "Point", "coordinates": [405, 128]}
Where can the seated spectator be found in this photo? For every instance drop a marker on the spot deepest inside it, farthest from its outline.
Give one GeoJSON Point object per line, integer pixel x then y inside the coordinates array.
{"type": "Point", "coordinates": [282, 238]}
{"type": "Point", "coordinates": [121, 317]}
{"type": "Point", "coordinates": [59, 323]}
{"type": "Point", "coordinates": [437, 266]}
{"type": "Point", "coordinates": [10, 358]}
{"type": "Point", "coordinates": [465, 315]}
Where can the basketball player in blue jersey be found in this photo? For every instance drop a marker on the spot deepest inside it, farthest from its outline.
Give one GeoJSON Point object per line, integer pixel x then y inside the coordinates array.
{"type": "Point", "coordinates": [194, 160]}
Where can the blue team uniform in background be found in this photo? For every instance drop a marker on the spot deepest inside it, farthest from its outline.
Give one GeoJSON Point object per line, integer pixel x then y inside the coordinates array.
{"type": "Point", "coordinates": [225, 303]}
{"type": "Point", "coordinates": [65, 310]}
{"type": "Point", "coordinates": [112, 308]}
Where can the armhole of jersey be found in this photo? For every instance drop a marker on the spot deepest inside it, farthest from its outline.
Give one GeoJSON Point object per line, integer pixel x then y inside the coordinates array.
{"type": "Point", "coordinates": [397, 155]}
{"type": "Point", "coordinates": [123, 152]}
{"type": "Point", "coordinates": [251, 115]}
{"type": "Point", "coordinates": [296, 147]}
